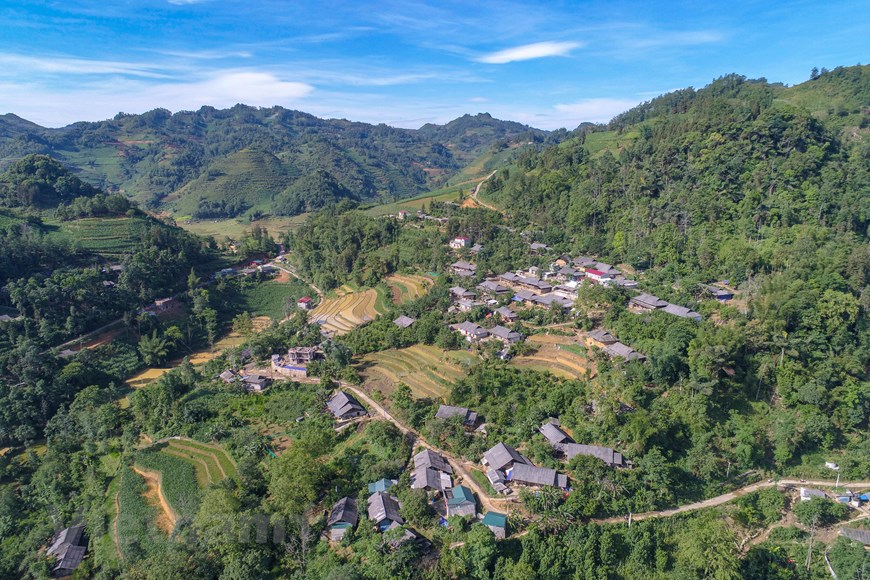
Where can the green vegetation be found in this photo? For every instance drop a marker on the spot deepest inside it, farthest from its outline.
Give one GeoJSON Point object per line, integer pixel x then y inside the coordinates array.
{"type": "Point", "coordinates": [178, 479]}
{"type": "Point", "coordinates": [277, 300]}
{"type": "Point", "coordinates": [137, 533]}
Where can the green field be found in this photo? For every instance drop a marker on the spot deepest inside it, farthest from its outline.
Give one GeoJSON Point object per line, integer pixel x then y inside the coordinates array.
{"type": "Point", "coordinates": [136, 534]}
{"type": "Point", "coordinates": [179, 479]}
{"type": "Point", "coordinates": [236, 228]}
{"type": "Point", "coordinates": [598, 142]}
{"type": "Point", "coordinates": [412, 204]}
{"type": "Point", "coordinates": [109, 237]}
{"type": "Point", "coordinates": [269, 298]}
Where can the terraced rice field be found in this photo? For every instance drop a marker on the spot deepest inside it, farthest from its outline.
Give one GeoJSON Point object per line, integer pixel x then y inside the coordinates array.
{"type": "Point", "coordinates": [551, 358]}
{"type": "Point", "coordinates": [212, 464]}
{"type": "Point", "coordinates": [428, 371]}
{"type": "Point", "coordinates": [407, 287]}
{"type": "Point", "coordinates": [346, 311]}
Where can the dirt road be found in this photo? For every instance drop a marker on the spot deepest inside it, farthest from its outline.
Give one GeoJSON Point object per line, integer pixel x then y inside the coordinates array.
{"type": "Point", "coordinates": [459, 467]}
{"type": "Point", "coordinates": [477, 190]}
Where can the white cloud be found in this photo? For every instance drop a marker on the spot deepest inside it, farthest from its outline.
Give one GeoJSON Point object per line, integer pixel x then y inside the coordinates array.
{"type": "Point", "coordinates": [186, 2]}
{"type": "Point", "coordinates": [478, 100]}
{"type": "Point", "coordinates": [76, 66]}
{"type": "Point", "coordinates": [529, 52]}
{"type": "Point", "coordinates": [592, 110]}
{"type": "Point", "coordinates": [97, 101]}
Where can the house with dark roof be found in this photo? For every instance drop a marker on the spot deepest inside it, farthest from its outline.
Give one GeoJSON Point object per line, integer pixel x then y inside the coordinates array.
{"type": "Point", "coordinates": [430, 479]}
{"type": "Point", "coordinates": [720, 294]}
{"type": "Point", "coordinates": [404, 321]}
{"type": "Point", "coordinates": [497, 481]}
{"type": "Point", "coordinates": [463, 269]}
{"type": "Point", "coordinates": [430, 459]}
{"type": "Point", "coordinates": [460, 293]}
{"type": "Point", "coordinates": [502, 457]}
{"type": "Point", "coordinates": [344, 406]}
{"type": "Point", "coordinates": [506, 335]}
{"type": "Point", "coordinates": [509, 278]}
{"type": "Point", "coordinates": [554, 434]}
{"type": "Point", "coordinates": [506, 314]}
{"type": "Point", "coordinates": [475, 249]}
{"type": "Point", "coordinates": [681, 311]}
{"type": "Point", "coordinates": [255, 382]}
{"type": "Point", "coordinates": [493, 288]}
{"type": "Point", "coordinates": [342, 518]}
{"type": "Point", "coordinates": [619, 350]}
{"type": "Point", "coordinates": [469, 418]}
{"type": "Point", "coordinates": [471, 331]}
{"type": "Point", "coordinates": [497, 523]}
{"type": "Point", "coordinates": [228, 376]}
{"type": "Point", "coordinates": [610, 457]}
{"type": "Point", "coordinates": [537, 247]}
{"type": "Point", "coordinates": [383, 509]}
{"type": "Point", "coordinates": [68, 549]}
{"type": "Point", "coordinates": [460, 502]}
{"type": "Point", "coordinates": [646, 302]}
{"type": "Point", "coordinates": [600, 338]}
{"type": "Point", "coordinates": [856, 535]}
{"type": "Point", "coordinates": [532, 475]}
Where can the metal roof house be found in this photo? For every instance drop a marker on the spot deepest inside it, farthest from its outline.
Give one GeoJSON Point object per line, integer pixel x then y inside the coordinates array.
{"type": "Point", "coordinates": [617, 349]}
{"type": "Point", "coordinates": [536, 476]}
{"type": "Point", "coordinates": [856, 535]}
{"type": "Point", "coordinates": [344, 406]}
{"type": "Point", "coordinates": [383, 509]}
{"type": "Point", "coordinates": [505, 335]}
{"type": "Point", "coordinates": [430, 479]}
{"type": "Point", "coordinates": [428, 458]}
{"type": "Point", "coordinates": [606, 454]}
{"type": "Point", "coordinates": [404, 321]}
{"type": "Point", "coordinates": [382, 485]}
{"type": "Point", "coordinates": [647, 302]}
{"type": "Point", "coordinates": [448, 412]}
{"type": "Point", "coordinates": [681, 311]}
{"type": "Point", "coordinates": [601, 337]}
{"type": "Point", "coordinates": [460, 502]}
{"type": "Point", "coordinates": [493, 288]}
{"type": "Point", "coordinates": [497, 523]}
{"type": "Point", "coordinates": [343, 517]}
{"type": "Point", "coordinates": [502, 457]}
{"type": "Point", "coordinates": [554, 434]}
{"type": "Point", "coordinates": [68, 548]}
{"type": "Point", "coordinates": [808, 493]}
{"type": "Point", "coordinates": [470, 330]}
{"type": "Point", "coordinates": [507, 314]}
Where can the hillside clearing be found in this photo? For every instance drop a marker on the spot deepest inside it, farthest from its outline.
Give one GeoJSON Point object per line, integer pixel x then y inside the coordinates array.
{"type": "Point", "coordinates": [166, 518]}
{"type": "Point", "coordinates": [555, 354]}
{"type": "Point", "coordinates": [407, 287]}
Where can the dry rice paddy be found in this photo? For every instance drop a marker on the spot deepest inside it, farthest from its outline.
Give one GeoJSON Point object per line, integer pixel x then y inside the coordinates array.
{"type": "Point", "coordinates": [552, 357]}
{"type": "Point", "coordinates": [346, 311]}
{"type": "Point", "coordinates": [407, 287]}
{"type": "Point", "coordinates": [428, 371]}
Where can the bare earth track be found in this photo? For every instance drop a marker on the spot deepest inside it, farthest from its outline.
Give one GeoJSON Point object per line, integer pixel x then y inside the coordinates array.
{"type": "Point", "coordinates": [167, 519]}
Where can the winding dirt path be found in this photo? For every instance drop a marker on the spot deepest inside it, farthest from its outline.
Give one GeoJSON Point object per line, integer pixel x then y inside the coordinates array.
{"type": "Point", "coordinates": [477, 190]}
{"type": "Point", "coordinates": [167, 520]}
{"type": "Point", "coordinates": [115, 539]}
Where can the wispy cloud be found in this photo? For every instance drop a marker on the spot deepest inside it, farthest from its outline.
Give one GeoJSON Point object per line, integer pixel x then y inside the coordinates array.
{"type": "Point", "coordinates": [78, 66]}
{"type": "Point", "coordinates": [186, 2]}
{"type": "Point", "coordinates": [207, 54]}
{"type": "Point", "coordinates": [598, 110]}
{"type": "Point", "coordinates": [529, 52]}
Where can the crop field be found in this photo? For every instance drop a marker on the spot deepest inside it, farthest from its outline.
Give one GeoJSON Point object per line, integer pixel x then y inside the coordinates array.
{"type": "Point", "coordinates": [346, 311]}
{"type": "Point", "coordinates": [212, 464]}
{"type": "Point", "coordinates": [407, 287]}
{"type": "Point", "coordinates": [177, 479]}
{"type": "Point", "coordinates": [137, 520]}
{"type": "Point", "coordinates": [236, 228]}
{"type": "Point", "coordinates": [110, 237]}
{"type": "Point", "coordinates": [271, 298]}
{"type": "Point", "coordinates": [555, 354]}
{"type": "Point", "coordinates": [427, 370]}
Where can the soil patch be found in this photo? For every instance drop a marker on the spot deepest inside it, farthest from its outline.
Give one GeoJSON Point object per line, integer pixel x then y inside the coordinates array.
{"type": "Point", "coordinates": [166, 518]}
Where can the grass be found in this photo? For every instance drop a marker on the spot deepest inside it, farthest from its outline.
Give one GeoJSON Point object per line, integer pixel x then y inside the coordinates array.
{"type": "Point", "coordinates": [269, 298]}
{"type": "Point", "coordinates": [104, 546]}
{"type": "Point", "coordinates": [412, 204]}
{"type": "Point", "coordinates": [223, 463]}
{"type": "Point", "coordinates": [483, 482]}
{"type": "Point", "coordinates": [600, 141]}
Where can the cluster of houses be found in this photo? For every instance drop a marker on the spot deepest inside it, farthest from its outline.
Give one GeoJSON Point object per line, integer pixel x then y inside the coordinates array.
{"type": "Point", "coordinates": [430, 472]}
{"type": "Point", "coordinates": [505, 465]}
{"type": "Point", "coordinates": [611, 346]}
{"type": "Point", "coordinates": [844, 496]}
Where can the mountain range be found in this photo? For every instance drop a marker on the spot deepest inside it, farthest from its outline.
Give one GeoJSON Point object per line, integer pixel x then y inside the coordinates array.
{"type": "Point", "coordinates": [215, 163]}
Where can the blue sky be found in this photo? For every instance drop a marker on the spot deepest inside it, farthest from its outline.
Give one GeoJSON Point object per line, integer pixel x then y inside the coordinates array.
{"type": "Point", "coordinates": [404, 63]}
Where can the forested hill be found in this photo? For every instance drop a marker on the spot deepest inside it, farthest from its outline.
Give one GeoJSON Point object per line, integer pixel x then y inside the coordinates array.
{"type": "Point", "coordinates": [705, 180]}
{"type": "Point", "coordinates": [217, 163]}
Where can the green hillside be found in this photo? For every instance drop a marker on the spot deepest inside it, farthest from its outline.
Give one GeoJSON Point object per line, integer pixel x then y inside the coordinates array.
{"type": "Point", "coordinates": [235, 161]}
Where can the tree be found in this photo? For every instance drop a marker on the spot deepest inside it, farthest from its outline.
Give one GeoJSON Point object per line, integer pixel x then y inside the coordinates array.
{"type": "Point", "coordinates": [153, 349]}
{"type": "Point", "coordinates": [820, 512]}
{"type": "Point", "coordinates": [243, 324]}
